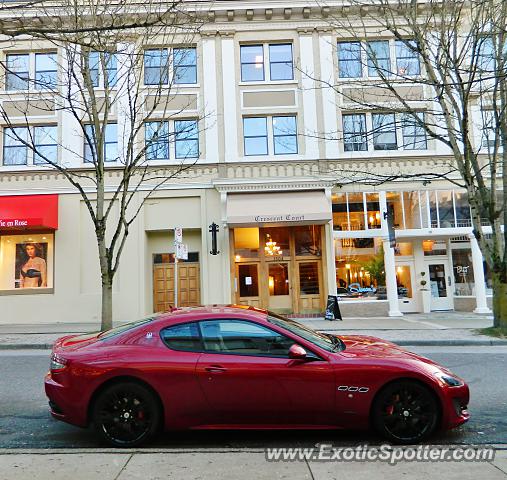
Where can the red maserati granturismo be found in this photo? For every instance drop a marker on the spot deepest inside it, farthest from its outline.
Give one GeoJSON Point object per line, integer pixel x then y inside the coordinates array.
{"type": "Point", "coordinates": [233, 367]}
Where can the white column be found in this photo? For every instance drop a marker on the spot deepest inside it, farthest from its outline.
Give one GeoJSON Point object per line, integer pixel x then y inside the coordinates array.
{"type": "Point", "coordinates": [480, 286]}
{"type": "Point", "coordinates": [391, 284]}
{"type": "Point", "coordinates": [230, 111]}
{"type": "Point", "coordinates": [330, 250]}
{"type": "Point", "coordinates": [127, 83]}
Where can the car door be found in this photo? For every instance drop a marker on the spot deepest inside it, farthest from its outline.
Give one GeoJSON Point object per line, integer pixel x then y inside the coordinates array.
{"type": "Point", "coordinates": [248, 379]}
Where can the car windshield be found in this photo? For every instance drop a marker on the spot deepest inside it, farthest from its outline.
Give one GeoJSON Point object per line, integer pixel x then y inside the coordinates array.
{"type": "Point", "coordinates": [125, 327]}
{"type": "Point", "coordinates": [331, 343]}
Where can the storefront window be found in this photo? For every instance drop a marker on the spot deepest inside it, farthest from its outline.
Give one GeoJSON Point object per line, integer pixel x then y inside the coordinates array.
{"type": "Point", "coordinates": [307, 240]}
{"type": "Point", "coordinates": [26, 262]}
{"type": "Point", "coordinates": [438, 247]}
{"type": "Point", "coordinates": [462, 209]}
{"type": "Point", "coordinates": [463, 270]}
{"type": "Point", "coordinates": [373, 210]}
{"type": "Point", "coordinates": [445, 209]}
{"type": "Point", "coordinates": [415, 210]}
{"type": "Point", "coordinates": [340, 216]}
{"type": "Point", "coordinates": [275, 241]}
{"type": "Point", "coordinates": [404, 281]}
{"type": "Point", "coordinates": [246, 242]}
{"type": "Point", "coordinates": [403, 249]}
{"type": "Point", "coordinates": [356, 211]}
{"type": "Point", "coordinates": [394, 206]}
{"type": "Point", "coordinates": [433, 209]}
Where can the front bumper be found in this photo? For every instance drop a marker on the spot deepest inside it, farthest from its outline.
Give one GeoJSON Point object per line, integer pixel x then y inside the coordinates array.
{"type": "Point", "coordinates": [455, 403]}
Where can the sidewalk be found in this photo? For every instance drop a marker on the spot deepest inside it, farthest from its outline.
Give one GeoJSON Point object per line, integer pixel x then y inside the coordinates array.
{"type": "Point", "coordinates": [227, 465]}
{"type": "Point", "coordinates": [435, 329]}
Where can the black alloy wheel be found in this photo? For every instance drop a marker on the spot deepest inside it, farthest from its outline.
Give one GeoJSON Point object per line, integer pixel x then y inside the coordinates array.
{"type": "Point", "coordinates": [126, 414]}
{"type": "Point", "coordinates": [406, 412]}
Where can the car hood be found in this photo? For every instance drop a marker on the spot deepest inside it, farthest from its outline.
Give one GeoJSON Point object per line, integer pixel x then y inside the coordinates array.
{"type": "Point", "coordinates": [366, 347]}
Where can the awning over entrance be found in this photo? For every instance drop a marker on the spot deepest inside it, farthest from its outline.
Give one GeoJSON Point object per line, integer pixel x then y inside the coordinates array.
{"type": "Point", "coordinates": [28, 212]}
{"type": "Point", "coordinates": [258, 209]}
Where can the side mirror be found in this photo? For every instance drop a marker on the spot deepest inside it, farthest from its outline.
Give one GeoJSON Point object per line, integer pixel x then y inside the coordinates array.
{"type": "Point", "coordinates": [297, 352]}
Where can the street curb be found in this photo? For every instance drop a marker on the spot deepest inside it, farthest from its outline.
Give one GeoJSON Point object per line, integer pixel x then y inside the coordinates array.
{"type": "Point", "coordinates": [401, 343]}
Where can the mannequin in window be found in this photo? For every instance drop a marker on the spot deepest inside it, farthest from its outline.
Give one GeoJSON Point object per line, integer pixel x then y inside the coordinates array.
{"type": "Point", "coordinates": [33, 273]}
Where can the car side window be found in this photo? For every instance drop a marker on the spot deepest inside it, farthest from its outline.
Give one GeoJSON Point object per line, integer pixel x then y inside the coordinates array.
{"type": "Point", "coordinates": [243, 338]}
{"type": "Point", "coordinates": [184, 337]}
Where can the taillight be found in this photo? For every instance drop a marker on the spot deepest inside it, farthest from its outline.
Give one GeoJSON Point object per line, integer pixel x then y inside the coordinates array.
{"type": "Point", "coordinates": [57, 363]}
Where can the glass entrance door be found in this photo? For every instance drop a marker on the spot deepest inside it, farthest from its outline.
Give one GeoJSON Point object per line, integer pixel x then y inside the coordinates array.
{"type": "Point", "coordinates": [440, 287]}
{"type": "Point", "coordinates": [247, 287]}
{"type": "Point", "coordinates": [405, 282]}
{"type": "Point", "coordinates": [279, 287]}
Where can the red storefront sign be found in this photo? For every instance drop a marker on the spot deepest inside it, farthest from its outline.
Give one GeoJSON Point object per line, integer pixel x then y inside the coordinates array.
{"type": "Point", "coordinates": [28, 212]}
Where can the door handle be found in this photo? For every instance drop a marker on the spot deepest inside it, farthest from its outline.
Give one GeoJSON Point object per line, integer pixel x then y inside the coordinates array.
{"type": "Point", "coordinates": [215, 369]}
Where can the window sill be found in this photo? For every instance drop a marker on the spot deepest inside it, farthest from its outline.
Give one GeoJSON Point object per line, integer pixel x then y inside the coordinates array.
{"type": "Point", "coordinates": [27, 291]}
{"type": "Point", "coordinates": [258, 83]}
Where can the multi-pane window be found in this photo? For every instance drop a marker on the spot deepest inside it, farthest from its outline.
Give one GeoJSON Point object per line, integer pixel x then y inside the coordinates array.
{"type": "Point", "coordinates": [46, 144]}
{"type": "Point", "coordinates": [185, 65]}
{"type": "Point", "coordinates": [103, 69]}
{"type": "Point", "coordinates": [15, 146]}
{"type": "Point", "coordinates": [414, 133]}
{"type": "Point", "coordinates": [255, 135]}
{"type": "Point", "coordinates": [378, 58]}
{"type": "Point", "coordinates": [156, 67]}
{"type": "Point", "coordinates": [186, 138]}
{"type": "Point", "coordinates": [17, 72]}
{"type": "Point", "coordinates": [407, 59]}
{"type": "Point", "coordinates": [280, 61]}
{"type": "Point", "coordinates": [384, 131]}
{"type": "Point", "coordinates": [486, 54]}
{"type": "Point", "coordinates": [25, 71]}
{"type": "Point", "coordinates": [285, 135]}
{"type": "Point", "coordinates": [46, 71]}
{"type": "Point", "coordinates": [252, 63]}
{"type": "Point", "coordinates": [491, 133]}
{"type": "Point", "coordinates": [264, 134]}
{"type": "Point", "coordinates": [157, 140]}
{"type": "Point", "coordinates": [109, 142]}
{"type": "Point", "coordinates": [349, 60]}
{"type": "Point", "coordinates": [22, 144]}
{"type": "Point", "coordinates": [354, 132]}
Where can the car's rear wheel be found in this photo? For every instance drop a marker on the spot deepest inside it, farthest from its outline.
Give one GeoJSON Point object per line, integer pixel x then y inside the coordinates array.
{"type": "Point", "coordinates": [406, 412]}
{"type": "Point", "coordinates": [126, 414]}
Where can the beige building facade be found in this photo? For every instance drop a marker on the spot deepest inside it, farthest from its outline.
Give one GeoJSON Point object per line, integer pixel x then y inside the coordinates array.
{"type": "Point", "coordinates": [275, 152]}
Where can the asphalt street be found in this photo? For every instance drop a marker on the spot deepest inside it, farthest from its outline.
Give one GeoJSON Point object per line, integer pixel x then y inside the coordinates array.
{"type": "Point", "coordinates": [25, 421]}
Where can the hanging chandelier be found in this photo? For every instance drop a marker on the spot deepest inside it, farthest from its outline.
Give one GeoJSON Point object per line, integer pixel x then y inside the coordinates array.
{"type": "Point", "coordinates": [271, 247]}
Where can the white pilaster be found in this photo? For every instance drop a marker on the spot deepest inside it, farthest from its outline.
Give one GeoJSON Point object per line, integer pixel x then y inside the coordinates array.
{"type": "Point", "coordinates": [126, 85]}
{"type": "Point", "coordinates": [229, 88]}
{"type": "Point", "coordinates": [330, 251]}
{"type": "Point", "coordinates": [210, 98]}
{"type": "Point", "coordinates": [480, 286]}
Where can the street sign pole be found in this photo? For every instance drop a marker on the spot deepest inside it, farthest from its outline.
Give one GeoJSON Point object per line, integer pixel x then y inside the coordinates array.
{"type": "Point", "coordinates": [178, 238]}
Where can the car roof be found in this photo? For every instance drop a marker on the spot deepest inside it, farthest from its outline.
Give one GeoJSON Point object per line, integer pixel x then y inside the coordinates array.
{"type": "Point", "coordinates": [186, 314]}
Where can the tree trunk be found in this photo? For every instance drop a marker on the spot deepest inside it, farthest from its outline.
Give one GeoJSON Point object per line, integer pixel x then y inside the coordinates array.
{"type": "Point", "coordinates": [107, 303]}
{"type": "Point", "coordinates": [500, 302]}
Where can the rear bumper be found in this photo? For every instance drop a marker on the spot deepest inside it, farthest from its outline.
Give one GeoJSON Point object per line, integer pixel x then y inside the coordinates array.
{"type": "Point", "coordinates": [61, 404]}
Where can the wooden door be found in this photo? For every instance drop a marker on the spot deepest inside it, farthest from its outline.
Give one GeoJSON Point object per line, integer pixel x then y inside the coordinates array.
{"type": "Point", "coordinates": [189, 289]}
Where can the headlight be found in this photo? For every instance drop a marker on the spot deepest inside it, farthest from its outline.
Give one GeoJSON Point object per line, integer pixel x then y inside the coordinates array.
{"type": "Point", "coordinates": [449, 380]}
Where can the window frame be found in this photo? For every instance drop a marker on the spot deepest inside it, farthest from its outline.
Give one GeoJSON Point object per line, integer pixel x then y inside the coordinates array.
{"type": "Point", "coordinates": [291, 135]}
{"type": "Point", "coordinates": [362, 134]}
{"type": "Point", "coordinates": [163, 69]}
{"type": "Point", "coordinates": [106, 143]}
{"type": "Point", "coordinates": [241, 62]}
{"type": "Point", "coordinates": [403, 127]}
{"type": "Point", "coordinates": [283, 63]}
{"type": "Point", "coordinates": [370, 62]}
{"type": "Point", "coordinates": [392, 130]}
{"type": "Point", "coordinates": [256, 136]}
{"type": "Point", "coordinates": [183, 65]}
{"type": "Point", "coordinates": [19, 76]}
{"type": "Point", "coordinates": [12, 147]}
{"type": "Point", "coordinates": [188, 139]}
{"type": "Point", "coordinates": [167, 143]}
{"type": "Point", "coordinates": [402, 45]}
{"type": "Point", "coordinates": [36, 145]}
{"type": "Point", "coordinates": [54, 71]}
{"type": "Point", "coordinates": [30, 154]}
{"type": "Point", "coordinates": [201, 339]}
{"type": "Point", "coordinates": [347, 61]}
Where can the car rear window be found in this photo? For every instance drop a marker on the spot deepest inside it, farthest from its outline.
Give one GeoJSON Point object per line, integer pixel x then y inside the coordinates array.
{"type": "Point", "coordinates": [126, 327]}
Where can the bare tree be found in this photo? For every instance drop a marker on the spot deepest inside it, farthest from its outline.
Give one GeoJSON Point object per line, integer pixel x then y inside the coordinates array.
{"type": "Point", "coordinates": [450, 83]}
{"type": "Point", "coordinates": [114, 92]}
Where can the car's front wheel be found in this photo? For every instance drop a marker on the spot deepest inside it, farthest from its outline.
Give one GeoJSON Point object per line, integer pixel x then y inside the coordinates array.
{"type": "Point", "coordinates": [406, 412]}
{"type": "Point", "coordinates": [126, 414]}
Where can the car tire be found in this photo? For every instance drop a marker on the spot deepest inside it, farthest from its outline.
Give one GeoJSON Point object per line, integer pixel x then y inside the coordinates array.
{"type": "Point", "coordinates": [406, 412]}
{"type": "Point", "coordinates": [126, 414]}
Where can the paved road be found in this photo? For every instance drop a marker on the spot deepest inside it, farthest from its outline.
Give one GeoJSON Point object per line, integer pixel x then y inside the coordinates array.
{"type": "Point", "coordinates": [25, 421]}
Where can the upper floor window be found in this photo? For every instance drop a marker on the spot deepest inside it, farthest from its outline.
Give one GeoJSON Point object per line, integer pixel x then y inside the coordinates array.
{"type": "Point", "coordinates": [28, 145]}
{"type": "Point", "coordinates": [109, 141]}
{"type": "Point", "coordinates": [157, 66]}
{"type": "Point", "coordinates": [349, 60]}
{"type": "Point", "coordinates": [354, 132]}
{"type": "Point", "coordinates": [253, 61]}
{"type": "Point", "coordinates": [40, 67]}
{"type": "Point", "coordinates": [407, 59]}
{"type": "Point", "coordinates": [103, 69]}
{"type": "Point", "coordinates": [379, 60]}
{"type": "Point", "coordinates": [186, 138]}
{"type": "Point", "coordinates": [386, 130]}
{"type": "Point", "coordinates": [157, 140]}
{"type": "Point", "coordinates": [486, 54]}
{"type": "Point", "coordinates": [276, 133]}
{"type": "Point", "coordinates": [185, 65]}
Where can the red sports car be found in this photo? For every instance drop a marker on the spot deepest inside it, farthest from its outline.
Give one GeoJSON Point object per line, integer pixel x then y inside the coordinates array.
{"type": "Point", "coordinates": [233, 367]}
